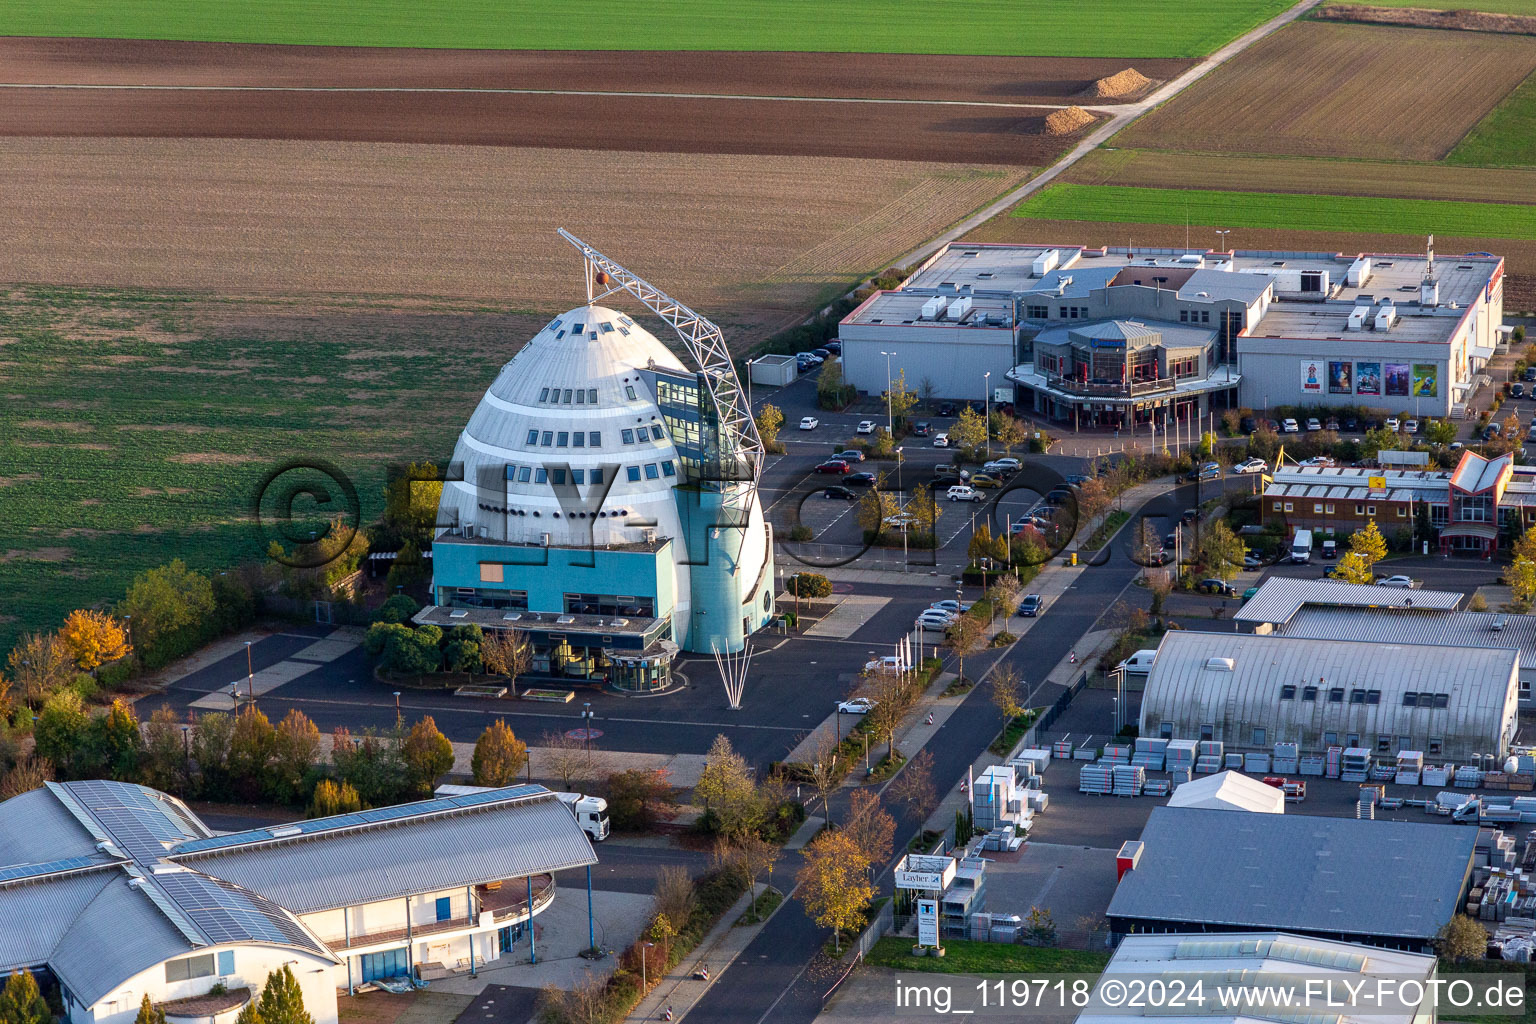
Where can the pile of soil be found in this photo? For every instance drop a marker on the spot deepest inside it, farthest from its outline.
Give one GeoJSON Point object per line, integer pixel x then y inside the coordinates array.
{"type": "Point", "coordinates": [1122, 83]}
{"type": "Point", "coordinates": [1419, 17]}
{"type": "Point", "coordinates": [1067, 121]}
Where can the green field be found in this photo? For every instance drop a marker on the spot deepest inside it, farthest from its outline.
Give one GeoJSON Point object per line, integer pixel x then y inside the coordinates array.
{"type": "Point", "coordinates": [1067, 28]}
{"type": "Point", "coordinates": [1361, 214]}
{"type": "Point", "coordinates": [136, 427]}
{"type": "Point", "coordinates": [1507, 136]}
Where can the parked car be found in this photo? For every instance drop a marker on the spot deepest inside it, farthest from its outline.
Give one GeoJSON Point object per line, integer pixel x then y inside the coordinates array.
{"type": "Point", "coordinates": [837, 491]}
{"type": "Point", "coordinates": [865, 427]}
{"type": "Point", "coordinates": [1162, 556]}
{"type": "Point", "coordinates": [1190, 515]}
{"type": "Point", "coordinates": [1392, 424]}
{"type": "Point", "coordinates": [964, 492]}
{"type": "Point", "coordinates": [1332, 424]}
{"type": "Point", "coordinates": [1216, 586]}
{"type": "Point", "coordinates": [860, 479]}
{"type": "Point", "coordinates": [934, 620]}
{"type": "Point", "coordinates": [947, 409]}
{"type": "Point", "coordinates": [1351, 423]}
{"type": "Point", "coordinates": [821, 353]}
{"type": "Point", "coordinates": [945, 475]}
{"type": "Point", "coordinates": [1330, 549]}
{"type": "Point", "coordinates": [1007, 462]}
{"type": "Point", "coordinates": [1530, 374]}
{"type": "Point", "coordinates": [1272, 426]}
{"type": "Point", "coordinates": [889, 663]}
{"type": "Point", "coordinates": [809, 423]}
{"type": "Point", "coordinates": [1171, 539]}
{"type": "Point", "coordinates": [922, 429]}
{"type": "Point", "coordinates": [941, 440]}
{"type": "Point", "coordinates": [1517, 390]}
{"type": "Point", "coordinates": [1248, 424]}
{"type": "Point", "coordinates": [1291, 426]}
{"type": "Point", "coordinates": [1031, 605]}
{"type": "Point", "coordinates": [949, 605]}
{"type": "Point", "coordinates": [1398, 581]}
{"type": "Point", "coordinates": [1411, 426]}
{"type": "Point", "coordinates": [849, 455]}
{"type": "Point", "coordinates": [835, 347]}
{"type": "Point", "coordinates": [856, 706]}
{"type": "Point", "coordinates": [997, 469]}
{"type": "Point", "coordinates": [1314, 424]}
{"type": "Point", "coordinates": [1320, 461]}
{"type": "Point", "coordinates": [1250, 466]}
{"type": "Point", "coordinates": [1252, 561]}
{"type": "Point", "coordinates": [1490, 432]}
{"type": "Point", "coordinates": [986, 480]}
{"type": "Point", "coordinates": [833, 466]}
{"type": "Point", "coordinates": [1247, 594]}
{"type": "Point", "coordinates": [1209, 471]}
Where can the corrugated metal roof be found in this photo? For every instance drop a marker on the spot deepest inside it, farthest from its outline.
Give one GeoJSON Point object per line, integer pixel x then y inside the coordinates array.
{"type": "Point", "coordinates": [115, 936]}
{"type": "Point", "coordinates": [1298, 873]}
{"type": "Point", "coordinates": [1418, 626]}
{"type": "Point", "coordinates": [345, 868]}
{"type": "Point", "coordinates": [1281, 597]}
{"type": "Point", "coordinates": [36, 828]}
{"type": "Point", "coordinates": [1234, 683]}
{"type": "Point", "coordinates": [38, 914]}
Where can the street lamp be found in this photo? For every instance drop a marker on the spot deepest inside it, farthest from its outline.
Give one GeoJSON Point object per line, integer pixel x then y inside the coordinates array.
{"type": "Point", "coordinates": [250, 673]}
{"type": "Point", "coordinates": [586, 719]}
{"type": "Point", "coordinates": [889, 419]}
{"type": "Point", "coordinates": [986, 395]}
{"type": "Point", "coordinates": [643, 947]}
{"type": "Point", "coordinates": [1223, 232]}
{"type": "Point", "coordinates": [398, 717]}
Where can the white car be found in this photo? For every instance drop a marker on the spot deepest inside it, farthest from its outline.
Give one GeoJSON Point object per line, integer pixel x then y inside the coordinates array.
{"type": "Point", "coordinates": [941, 440]}
{"type": "Point", "coordinates": [951, 606]}
{"type": "Point", "coordinates": [1317, 460]}
{"type": "Point", "coordinates": [865, 427]}
{"type": "Point", "coordinates": [1250, 466]}
{"type": "Point", "coordinates": [809, 423]}
{"type": "Point", "coordinates": [1009, 463]}
{"type": "Point", "coordinates": [889, 663]}
{"type": "Point", "coordinates": [965, 492]}
{"type": "Point", "coordinates": [1392, 424]}
{"type": "Point", "coordinates": [1289, 426]}
{"type": "Point", "coordinates": [1314, 424]}
{"type": "Point", "coordinates": [1405, 582]}
{"type": "Point", "coordinates": [934, 620]}
{"type": "Point", "coordinates": [1411, 427]}
{"type": "Point", "coordinates": [857, 706]}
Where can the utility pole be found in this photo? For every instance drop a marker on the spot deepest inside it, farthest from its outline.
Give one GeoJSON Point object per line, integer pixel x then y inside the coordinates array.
{"type": "Point", "coordinates": [889, 419]}
{"type": "Point", "coordinates": [986, 395]}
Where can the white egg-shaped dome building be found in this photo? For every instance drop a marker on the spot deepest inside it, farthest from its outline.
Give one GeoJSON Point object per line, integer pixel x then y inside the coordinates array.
{"type": "Point", "coordinates": [587, 508]}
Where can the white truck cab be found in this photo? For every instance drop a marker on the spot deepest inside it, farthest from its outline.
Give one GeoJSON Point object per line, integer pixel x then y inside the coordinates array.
{"type": "Point", "coordinates": [1140, 663]}
{"type": "Point", "coordinates": [591, 811]}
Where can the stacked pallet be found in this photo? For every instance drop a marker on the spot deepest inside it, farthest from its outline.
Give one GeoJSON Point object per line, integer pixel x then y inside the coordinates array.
{"type": "Point", "coordinates": [1129, 779]}
{"type": "Point", "coordinates": [1098, 779]}
{"type": "Point", "coordinates": [1410, 764]}
{"type": "Point", "coordinates": [1495, 780]}
{"type": "Point", "coordinates": [1467, 777]}
{"type": "Point", "coordinates": [1178, 776]}
{"type": "Point", "coordinates": [1062, 749]}
{"type": "Point", "coordinates": [1157, 787]}
{"type": "Point", "coordinates": [1234, 762]}
{"type": "Point", "coordinates": [1256, 764]}
{"type": "Point", "coordinates": [1354, 765]}
{"type": "Point", "coordinates": [1287, 759]}
{"type": "Point", "coordinates": [1383, 772]}
{"type": "Point", "coordinates": [1181, 754]}
{"type": "Point", "coordinates": [1332, 761]}
{"type": "Point", "coordinates": [1311, 765]}
{"type": "Point", "coordinates": [1210, 757]}
{"type": "Point", "coordinates": [1435, 775]}
{"type": "Point", "coordinates": [1117, 753]}
{"type": "Point", "coordinates": [1150, 753]}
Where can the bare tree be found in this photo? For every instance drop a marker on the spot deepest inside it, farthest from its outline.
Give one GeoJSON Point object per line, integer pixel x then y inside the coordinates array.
{"type": "Point", "coordinates": [965, 636]}
{"type": "Point", "coordinates": [585, 1002]}
{"type": "Point", "coordinates": [564, 758]}
{"type": "Point", "coordinates": [506, 652]}
{"type": "Point", "coordinates": [756, 855]}
{"type": "Point", "coordinates": [1005, 596]}
{"type": "Point", "coordinates": [823, 770]}
{"type": "Point", "coordinates": [870, 826]}
{"type": "Point", "coordinates": [674, 895]}
{"type": "Point", "coordinates": [914, 789]}
{"type": "Point", "coordinates": [1005, 692]}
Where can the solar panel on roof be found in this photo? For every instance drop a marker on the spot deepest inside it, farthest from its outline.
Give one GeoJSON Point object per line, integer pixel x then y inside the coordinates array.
{"type": "Point", "coordinates": [52, 867]}
{"type": "Point", "coordinates": [227, 913]}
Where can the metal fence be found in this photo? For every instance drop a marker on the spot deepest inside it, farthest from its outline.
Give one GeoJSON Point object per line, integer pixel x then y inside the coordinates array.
{"type": "Point", "coordinates": [861, 946]}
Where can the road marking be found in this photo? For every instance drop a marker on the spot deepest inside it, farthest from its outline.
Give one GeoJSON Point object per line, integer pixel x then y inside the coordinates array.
{"type": "Point", "coordinates": [474, 91]}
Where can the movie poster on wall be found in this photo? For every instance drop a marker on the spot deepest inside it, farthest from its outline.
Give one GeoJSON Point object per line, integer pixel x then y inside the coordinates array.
{"type": "Point", "coordinates": [1367, 378]}
{"type": "Point", "coordinates": [1397, 379]}
{"type": "Point", "coordinates": [1341, 379]}
{"type": "Point", "coordinates": [1311, 376]}
{"type": "Point", "coordinates": [1426, 380]}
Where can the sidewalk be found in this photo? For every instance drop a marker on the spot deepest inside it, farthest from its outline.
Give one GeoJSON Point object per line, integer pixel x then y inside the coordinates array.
{"type": "Point", "coordinates": [680, 989]}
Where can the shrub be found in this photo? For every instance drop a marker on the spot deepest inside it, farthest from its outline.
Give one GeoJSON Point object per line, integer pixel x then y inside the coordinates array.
{"type": "Point", "coordinates": [398, 608]}
{"type": "Point", "coordinates": [809, 584]}
{"type": "Point", "coordinates": [638, 797]}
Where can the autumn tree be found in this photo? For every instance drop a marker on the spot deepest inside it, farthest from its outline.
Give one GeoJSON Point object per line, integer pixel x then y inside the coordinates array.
{"type": "Point", "coordinates": [914, 787]}
{"type": "Point", "coordinates": [281, 1000]}
{"type": "Point", "coordinates": [295, 751]}
{"type": "Point", "coordinates": [411, 497]}
{"type": "Point", "coordinates": [210, 750]}
{"type": "Point", "coordinates": [965, 636]}
{"type": "Point", "coordinates": [1218, 551]}
{"type": "Point", "coordinates": [1353, 568]}
{"type": "Point", "coordinates": [250, 751]}
{"type": "Point", "coordinates": [506, 652]}
{"type": "Point", "coordinates": [1521, 576]}
{"type": "Point", "coordinates": [1462, 938]}
{"type": "Point", "coordinates": [639, 798]}
{"type": "Point", "coordinates": [969, 431]}
{"type": "Point", "coordinates": [755, 855]}
{"type": "Point", "coordinates": [565, 758]}
{"type": "Point", "coordinates": [163, 765]}
{"type": "Point", "coordinates": [499, 756]}
{"type": "Point", "coordinates": [769, 420]}
{"type": "Point", "coordinates": [728, 790]}
{"type": "Point", "coordinates": [1093, 499]}
{"type": "Point", "coordinates": [874, 508]}
{"type": "Point", "coordinates": [824, 769]}
{"type": "Point", "coordinates": [93, 638]}
{"type": "Point", "coordinates": [832, 883]}
{"type": "Point", "coordinates": [38, 665]}
{"type": "Point", "coordinates": [1006, 685]}
{"type": "Point", "coordinates": [428, 756]}
{"type": "Point", "coordinates": [901, 399]}
{"type": "Point", "coordinates": [165, 602]}
{"type": "Point", "coordinates": [1004, 596]}
{"type": "Point", "coordinates": [25, 775]}
{"type": "Point", "coordinates": [1369, 544]}
{"type": "Point", "coordinates": [1010, 434]}
{"type": "Point", "coordinates": [58, 732]}
{"type": "Point", "coordinates": [149, 1013]}
{"type": "Point", "coordinates": [981, 543]}
{"type": "Point", "coordinates": [21, 1002]}
{"type": "Point", "coordinates": [333, 797]}
{"type": "Point", "coordinates": [1525, 545]}
{"type": "Point", "coordinates": [870, 826]}
{"type": "Point", "coordinates": [674, 897]}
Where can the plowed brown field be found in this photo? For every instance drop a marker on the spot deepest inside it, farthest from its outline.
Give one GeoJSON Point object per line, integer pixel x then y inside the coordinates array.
{"type": "Point", "coordinates": [892, 76]}
{"type": "Point", "coordinates": [1315, 89]}
{"type": "Point", "coordinates": [1519, 289]}
{"type": "Point", "coordinates": [252, 217]}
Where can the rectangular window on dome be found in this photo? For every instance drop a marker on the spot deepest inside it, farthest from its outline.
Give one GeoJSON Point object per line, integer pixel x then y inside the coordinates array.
{"type": "Point", "coordinates": [578, 328]}
{"type": "Point", "coordinates": [627, 436]}
{"type": "Point", "coordinates": [607, 328]}
{"type": "Point", "coordinates": [581, 396]}
{"type": "Point", "coordinates": [667, 469]}
{"type": "Point", "coordinates": [540, 477]}
{"type": "Point", "coordinates": [594, 439]}
{"type": "Point", "coordinates": [522, 474]}
{"type": "Point", "coordinates": [557, 476]}
{"type": "Point", "coordinates": [591, 396]}
{"type": "Point", "coordinates": [658, 434]}
{"type": "Point", "coordinates": [629, 389]}
{"type": "Point", "coordinates": [567, 396]}
{"type": "Point", "coordinates": [554, 395]}
{"type": "Point", "coordinates": [544, 394]}
{"type": "Point", "coordinates": [533, 437]}
{"type": "Point", "coordinates": [549, 438]}
{"type": "Point", "coordinates": [579, 439]}
{"type": "Point", "coordinates": [562, 439]}
{"type": "Point", "coordinates": [577, 475]}
{"type": "Point", "coordinates": [651, 472]}
{"type": "Point", "coordinates": [597, 476]}
{"type": "Point", "coordinates": [633, 471]}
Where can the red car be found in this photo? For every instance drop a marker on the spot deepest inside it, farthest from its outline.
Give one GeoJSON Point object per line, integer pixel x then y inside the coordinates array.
{"type": "Point", "coordinates": [833, 466]}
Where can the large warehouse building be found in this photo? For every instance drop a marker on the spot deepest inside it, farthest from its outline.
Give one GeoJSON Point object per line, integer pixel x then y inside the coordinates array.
{"type": "Point", "coordinates": [1251, 691]}
{"type": "Point", "coordinates": [1383, 883]}
{"type": "Point", "coordinates": [1130, 336]}
{"type": "Point", "coordinates": [607, 506]}
{"type": "Point", "coordinates": [120, 891]}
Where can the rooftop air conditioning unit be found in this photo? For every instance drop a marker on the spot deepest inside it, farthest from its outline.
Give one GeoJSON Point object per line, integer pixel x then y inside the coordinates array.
{"type": "Point", "coordinates": [1357, 318]}
{"type": "Point", "coordinates": [544, 539]}
{"type": "Point", "coordinates": [960, 307]}
{"type": "Point", "coordinates": [1359, 272]}
{"type": "Point", "coordinates": [1386, 316]}
{"type": "Point", "coordinates": [1429, 292]}
{"type": "Point", "coordinates": [934, 308]}
{"type": "Point", "coordinates": [469, 530]}
{"type": "Point", "coordinates": [1044, 263]}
